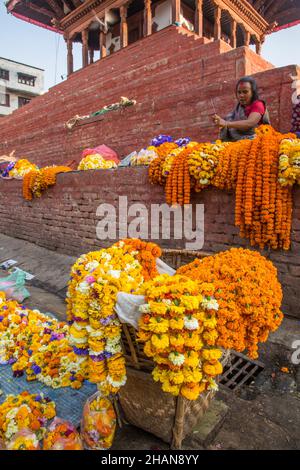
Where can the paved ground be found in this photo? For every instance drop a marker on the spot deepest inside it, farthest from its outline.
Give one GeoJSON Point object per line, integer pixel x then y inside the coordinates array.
{"type": "Point", "coordinates": [262, 415]}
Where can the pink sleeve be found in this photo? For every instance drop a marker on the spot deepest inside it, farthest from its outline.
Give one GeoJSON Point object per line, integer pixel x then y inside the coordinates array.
{"type": "Point", "coordinates": [257, 107]}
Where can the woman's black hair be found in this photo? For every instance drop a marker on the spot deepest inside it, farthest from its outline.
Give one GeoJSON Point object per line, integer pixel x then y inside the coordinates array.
{"type": "Point", "coordinates": [254, 87]}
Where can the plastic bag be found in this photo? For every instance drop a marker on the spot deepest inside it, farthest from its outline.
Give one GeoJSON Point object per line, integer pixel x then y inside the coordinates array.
{"type": "Point", "coordinates": [106, 152]}
{"type": "Point", "coordinates": [23, 440]}
{"type": "Point", "coordinates": [62, 435]}
{"type": "Point", "coordinates": [164, 268]}
{"type": "Point", "coordinates": [13, 286]}
{"type": "Point", "coordinates": [98, 423]}
{"type": "Point", "coordinates": [127, 308]}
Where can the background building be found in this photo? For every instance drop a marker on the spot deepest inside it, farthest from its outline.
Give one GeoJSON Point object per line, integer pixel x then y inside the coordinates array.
{"type": "Point", "coordinates": [19, 83]}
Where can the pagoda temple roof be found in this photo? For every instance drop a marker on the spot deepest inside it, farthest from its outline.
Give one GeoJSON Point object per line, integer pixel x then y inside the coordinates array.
{"type": "Point", "coordinates": [49, 13]}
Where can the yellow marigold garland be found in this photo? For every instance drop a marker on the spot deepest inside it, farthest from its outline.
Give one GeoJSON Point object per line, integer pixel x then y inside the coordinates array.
{"type": "Point", "coordinates": [178, 327]}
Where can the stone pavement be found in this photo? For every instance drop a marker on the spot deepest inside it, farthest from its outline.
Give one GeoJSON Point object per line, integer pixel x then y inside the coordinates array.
{"type": "Point", "coordinates": [263, 415]}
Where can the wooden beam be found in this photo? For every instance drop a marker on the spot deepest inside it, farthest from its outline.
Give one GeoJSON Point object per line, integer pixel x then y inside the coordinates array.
{"type": "Point", "coordinates": [56, 8]}
{"type": "Point", "coordinates": [70, 64]}
{"type": "Point", "coordinates": [199, 18]}
{"type": "Point", "coordinates": [42, 10]}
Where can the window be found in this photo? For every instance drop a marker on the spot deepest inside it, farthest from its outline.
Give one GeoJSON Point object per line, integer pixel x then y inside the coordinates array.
{"type": "Point", "coordinates": [4, 74]}
{"type": "Point", "coordinates": [4, 99]}
{"type": "Point", "coordinates": [22, 101]}
{"type": "Point", "coordinates": [26, 79]}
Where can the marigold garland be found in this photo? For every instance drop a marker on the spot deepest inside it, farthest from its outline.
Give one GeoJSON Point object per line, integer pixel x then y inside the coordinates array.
{"type": "Point", "coordinates": [37, 181]}
{"type": "Point", "coordinates": [96, 278]}
{"type": "Point", "coordinates": [248, 293]}
{"type": "Point", "coordinates": [178, 327]}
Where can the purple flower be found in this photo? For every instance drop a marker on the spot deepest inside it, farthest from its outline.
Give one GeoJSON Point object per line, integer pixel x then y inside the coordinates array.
{"type": "Point", "coordinates": [57, 336]}
{"type": "Point", "coordinates": [106, 321]}
{"type": "Point", "coordinates": [81, 351]}
{"type": "Point", "coordinates": [11, 361]}
{"type": "Point", "coordinates": [161, 139]}
{"type": "Point", "coordinates": [47, 331]}
{"type": "Point", "coordinates": [29, 352]}
{"type": "Point", "coordinates": [183, 142]}
{"type": "Point", "coordinates": [38, 398]}
{"type": "Point", "coordinates": [5, 307]}
{"type": "Point", "coordinates": [68, 432]}
{"type": "Point", "coordinates": [18, 373]}
{"type": "Point", "coordinates": [99, 358]}
{"type": "Point", "coordinates": [23, 307]}
{"type": "Point", "coordinates": [78, 319]}
{"type": "Point", "coordinates": [72, 378]}
{"type": "Point", "coordinates": [1, 318]}
{"type": "Point", "coordinates": [36, 369]}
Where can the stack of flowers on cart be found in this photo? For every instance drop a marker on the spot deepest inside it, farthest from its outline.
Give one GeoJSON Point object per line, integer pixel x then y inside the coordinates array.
{"type": "Point", "coordinates": [95, 331]}
{"type": "Point", "coordinates": [248, 293]}
{"type": "Point", "coordinates": [21, 168]}
{"type": "Point", "coordinates": [96, 162]}
{"type": "Point", "coordinates": [38, 345]}
{"type": "Point", "coordinates": [178, 327]}
{"type": "Point", "coordinates": [23, 420]}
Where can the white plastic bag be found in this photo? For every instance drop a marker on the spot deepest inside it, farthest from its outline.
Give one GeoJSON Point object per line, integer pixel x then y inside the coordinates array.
{"type": "Point", "coordinates": [164, 268]}
{"type": "Point", "coordinates": [127, 308]}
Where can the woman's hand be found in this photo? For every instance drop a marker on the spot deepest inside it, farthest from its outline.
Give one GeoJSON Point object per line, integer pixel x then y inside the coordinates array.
{"type": "Point", "coordinates": [219, 121]}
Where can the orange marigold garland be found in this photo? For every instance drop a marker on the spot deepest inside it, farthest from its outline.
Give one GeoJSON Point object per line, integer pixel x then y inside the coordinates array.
{"type": "Point", "coordinates": [248, 293]}
{"type": "Point", "coordinates": [35, 182]}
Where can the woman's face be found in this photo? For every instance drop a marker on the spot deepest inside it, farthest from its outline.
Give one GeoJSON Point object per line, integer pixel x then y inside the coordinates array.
{"type": "Point", "coordinates": [244, 93]}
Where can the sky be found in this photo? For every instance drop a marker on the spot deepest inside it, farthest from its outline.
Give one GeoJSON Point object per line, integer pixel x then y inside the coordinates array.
{"type": "Point", "coordinates": [32, 45]}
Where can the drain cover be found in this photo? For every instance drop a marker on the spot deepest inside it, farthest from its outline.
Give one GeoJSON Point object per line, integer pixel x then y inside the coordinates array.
{"type": "Point", "coordinates": [240, 371]}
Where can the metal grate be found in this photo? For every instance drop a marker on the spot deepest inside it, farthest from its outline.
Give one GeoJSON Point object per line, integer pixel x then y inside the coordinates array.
{"type": "Point", "coordinates": [240, 371]}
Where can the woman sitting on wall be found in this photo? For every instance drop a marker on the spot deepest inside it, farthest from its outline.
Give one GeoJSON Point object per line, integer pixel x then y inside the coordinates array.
{"type": "Point", "coordinates": [249, 113]}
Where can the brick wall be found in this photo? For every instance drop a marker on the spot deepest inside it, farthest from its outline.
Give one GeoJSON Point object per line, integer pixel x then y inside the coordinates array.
{"type": "Point", "coordinates": [65, 220]}
{"type": "Point", "coordinates": [172, 74]}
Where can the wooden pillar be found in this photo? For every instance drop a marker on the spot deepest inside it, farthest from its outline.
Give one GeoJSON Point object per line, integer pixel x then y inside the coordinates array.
{"type": "Point", "coordinates": [258, 46]}
{"type": "Point", "coordinates": [91, 55]}
{"type": "Point", "coordinates": [124, 26]}
{"type": "Point", "coordinates": [176, 11]}
{"type": "Point", "coordinates": [147, 27]}
{"type": "Point", "coordinates": [70, 63]}
{"type": "Point", "coordinates": [218, 29]}
{"type": "Point", "coordinates": [233, 38]}
{"type": "Point", "coordinates": [85, 51]}
{"type": "Point", "coordinates": [199, 18]}
{"type": "Point", "coordinates": [247, 36]}
{"type": "Point", "coordinates": [102, 42]}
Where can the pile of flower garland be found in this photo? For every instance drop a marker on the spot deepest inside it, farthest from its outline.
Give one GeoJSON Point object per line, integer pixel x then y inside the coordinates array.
{"type": "Point", "coordinates": [96, 278]}
{"type": "Point", "coordinates": [96, 162]}
{"type": "Point", "coordinates": [263, 209]}
{"type": "Point", "coordinates": [289, 162]}
{"type": "Point", "coordinates": [178, 327]}
{"type": "Point", "coordinates": [25, 411]}
{"type": "Point", "coordinates": [21, 168]}
{"type": "Point", "coordinates": [38, 346]}
{"type": "Point", "coordinates": [248, 293]}
{"type": "Point", "coordinates": [37, 181]}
